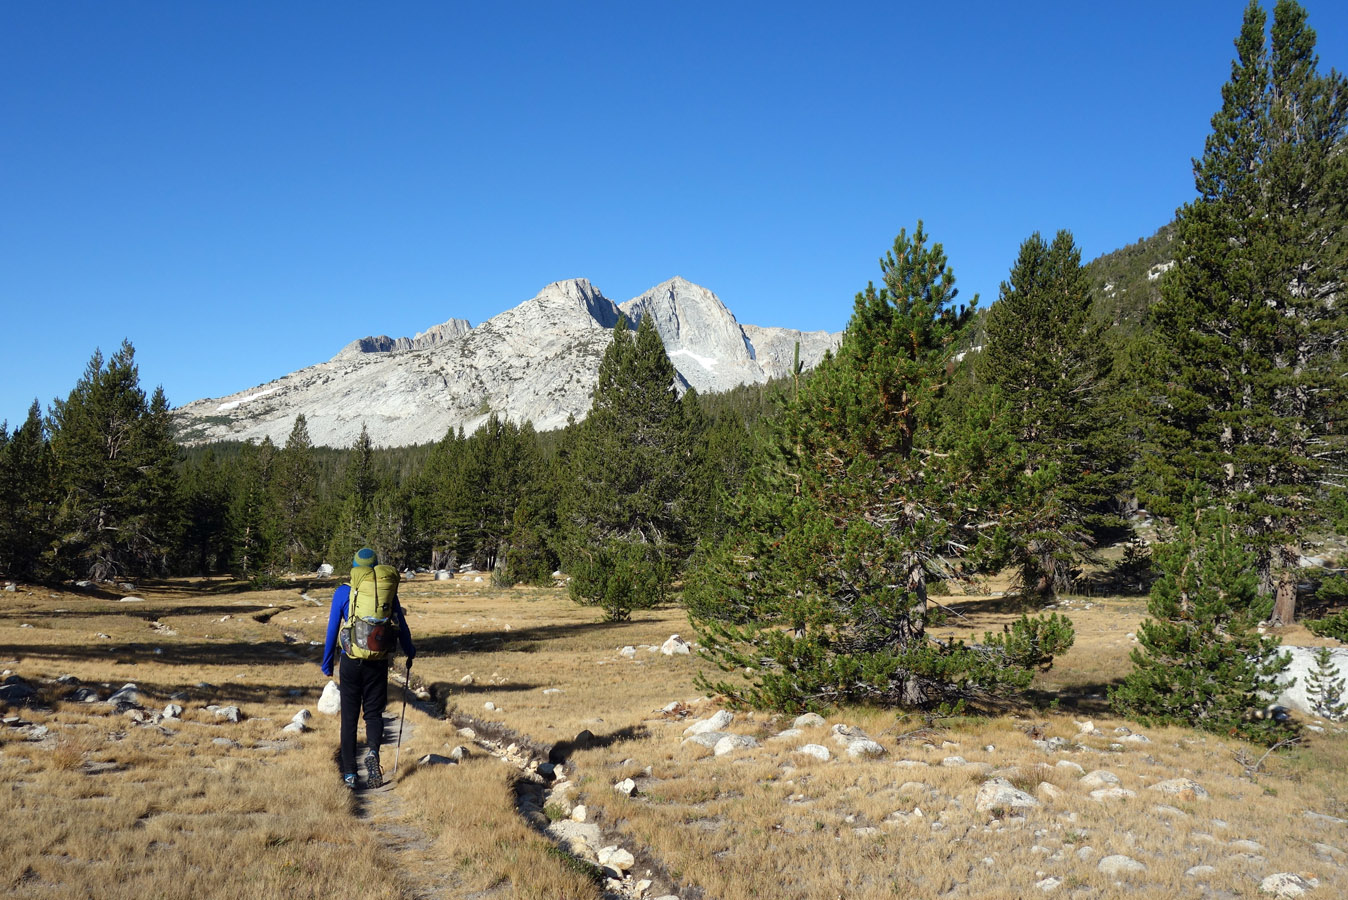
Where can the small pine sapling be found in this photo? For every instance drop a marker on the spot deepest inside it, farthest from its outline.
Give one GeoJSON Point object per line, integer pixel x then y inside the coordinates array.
{"type": "Point", "coordinates": [1324, 690]}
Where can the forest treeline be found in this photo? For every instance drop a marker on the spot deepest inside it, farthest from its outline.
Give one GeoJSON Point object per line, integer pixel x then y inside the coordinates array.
{"type": "Point", "coordinates": [807, 524]}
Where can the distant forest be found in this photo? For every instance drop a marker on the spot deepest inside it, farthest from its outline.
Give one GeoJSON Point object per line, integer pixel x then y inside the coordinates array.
{"type": "Point", "coordinates": [1198, 374]}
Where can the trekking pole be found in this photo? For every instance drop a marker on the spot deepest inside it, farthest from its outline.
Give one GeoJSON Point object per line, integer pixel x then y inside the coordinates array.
{"type": "Point", "coordinates": [397, 751]}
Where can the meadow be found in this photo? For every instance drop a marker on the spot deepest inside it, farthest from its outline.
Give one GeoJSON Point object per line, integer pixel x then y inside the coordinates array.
{"type": "Point", "coordinates": [110, 802]}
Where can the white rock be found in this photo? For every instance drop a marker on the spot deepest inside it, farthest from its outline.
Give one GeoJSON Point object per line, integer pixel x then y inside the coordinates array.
{"type": "Point", "coordinates": [1200, 871]}
{"type": "Point", "coordinates": [1099, 778]}
{"type": "Point", "coordinates": [865, 749]}
{"type": "Point", "coordinates": [675, 645]}
{"type": "Point", "coordinates": [1068, 766]}
{"type": "Point", "coordinates": [489, 706]}
{"type": "Point", "coordinates": [1287, 884]}
{"type": "Point", "coordinates": [1049, 885]}
{"type": "Point", "coordinates": [721, 720]}
{"type": "Point", "coordinates": [818, 751]}
{"type": "Point", "coordinates": [294, 728]}
{"type": "Point", "coordinates": [616, 858]}
{"type": "Point", "coordinates": [708, 739]}
{"type": "Point", "coordinates": [303, 717]}
{"type": "Point", "coordinates": [579, 813]}
{"type": "Point", "coordinates": [1000, 794]}
{"type": "Point", "coordinates": [330, 704]}
{"type": "Point", "coordinates": [1183, 788]}
{"type": "Point", "coordinates": [629, 652]}
{"type": "Point", "coordinates": [808, 720]}
{"type": "Point", "coordinates": [952, 761]}
{"type": "Point", "coordinates": [1118, 865]}
{"type": "Point", "coordinates": [1252, 847]}
{"type": "Point", "coordinates": [1047, 792]}
{"type": "Point", "coordinates": [132, 600]}
{"type": "Point", "coordinates": [787, 734]}
{"type": "Point", "coordinates": [228, 713]}
{"type": "Point", "coordinates": [325, 569]}
{"type": "Point", "coordinates": [627, 787]}
{"type": "Point", "coordinates": [444, 575]}
{"type": "Point", "coordinates": [579, 836]}
{"type": "Point", "coordinates": [732, 742]}
{"type": "Point", "coordinates": [1114, 793]}
{"type": "Point", "coordinates": [172, 711]}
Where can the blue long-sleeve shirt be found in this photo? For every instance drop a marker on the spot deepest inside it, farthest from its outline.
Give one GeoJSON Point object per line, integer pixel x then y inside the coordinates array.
{"type": "Point", "coordinates": [340, 598]}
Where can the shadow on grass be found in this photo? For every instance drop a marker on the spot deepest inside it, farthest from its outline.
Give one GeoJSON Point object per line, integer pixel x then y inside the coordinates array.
{"type": "Point", "coordinates": [150, 611]}
{"type": "Point", "coordinates": [193, 653]}
{"type": "Point", "coordinates": [521, 640]}
{"type": "Point", "coordinates": [1086, 700]}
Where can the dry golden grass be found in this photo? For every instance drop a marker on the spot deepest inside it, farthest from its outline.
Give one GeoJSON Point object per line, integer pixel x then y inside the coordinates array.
{"type": "Point", "coordinates": [109, 808]}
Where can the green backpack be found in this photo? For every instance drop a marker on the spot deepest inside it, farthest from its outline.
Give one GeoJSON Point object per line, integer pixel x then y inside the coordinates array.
{"type": "Point", "coordinates": [370, 631]}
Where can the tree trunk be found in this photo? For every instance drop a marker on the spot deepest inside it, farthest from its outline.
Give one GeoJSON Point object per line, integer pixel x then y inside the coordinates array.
{"type": "Point", "coordinates": [1285, 597]}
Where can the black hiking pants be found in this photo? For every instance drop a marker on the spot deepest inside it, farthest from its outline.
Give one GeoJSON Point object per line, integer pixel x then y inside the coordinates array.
{"type": "Point", "coordinates": [363, 684]}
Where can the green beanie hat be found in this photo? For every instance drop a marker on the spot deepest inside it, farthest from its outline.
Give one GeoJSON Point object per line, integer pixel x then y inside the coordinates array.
{"type": "Point", "coordinates": [364, 557]}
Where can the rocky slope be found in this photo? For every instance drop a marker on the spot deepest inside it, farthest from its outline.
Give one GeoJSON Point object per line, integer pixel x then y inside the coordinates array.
{"type": "Point", "coordinates": [537, 362]}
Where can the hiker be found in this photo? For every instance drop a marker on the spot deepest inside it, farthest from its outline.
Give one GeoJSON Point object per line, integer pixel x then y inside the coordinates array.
{"type": "Point", "coordinates": [364, 617]}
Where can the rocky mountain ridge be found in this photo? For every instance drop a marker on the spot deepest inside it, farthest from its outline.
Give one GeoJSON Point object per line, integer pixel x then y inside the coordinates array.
{"type": "Point", "coordinates": [538, 362]}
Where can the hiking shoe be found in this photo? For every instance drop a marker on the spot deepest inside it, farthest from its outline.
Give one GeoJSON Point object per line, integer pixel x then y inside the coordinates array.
{"type": "Point", "coordinates": [349, 781]}
{"type": "Point", "coordinates": [374, 776]}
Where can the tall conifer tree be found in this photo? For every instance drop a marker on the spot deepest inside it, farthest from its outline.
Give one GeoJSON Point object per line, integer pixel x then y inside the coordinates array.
{"type": "Point", "coordinates": [26, 494]}
{"type": "Point", "coordinates": [820, 592]}
{"type": "Point", "coordinates": [114, 459]}
{"type": "Point", "coordinates": [623, 517]}
{"type": "Point", "coordinates": [1050, 363]}
{"type": "Point", "coordinates": [1248, 370]}
{"type": "Point", "coordinates": [294, 486]}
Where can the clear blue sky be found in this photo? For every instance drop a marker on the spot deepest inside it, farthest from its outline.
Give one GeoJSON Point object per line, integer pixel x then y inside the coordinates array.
{"type": "Point", "coordinates": [242, 188]}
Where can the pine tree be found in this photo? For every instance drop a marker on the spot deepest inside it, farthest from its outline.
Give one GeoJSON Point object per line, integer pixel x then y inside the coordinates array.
{"type": "Point", "coordinates": [1050, 363]}
{"type": "Point", "coordinates": [1202, 662]}
{"type": "Point", "coordinates": [623, 519]}
{"type": "Point", "coordinates": [355, 504]}
{"type": "Point", "coordinates": [294, 486]}
{"type": "Point", "coordinates": [252, 522]}
{"type": "Point", "coordinates": [26, 494]}
{"type": "Point", "coordinates": [114, 461]}
{"type": "Point", "coordinates": [1247, 374]}
{"type": "Point", "coordinates": [1325, 689]}
{"type": "Point", "coordinates": [203, 503]}
{"type": "Point", "coordinates": [819, 593]}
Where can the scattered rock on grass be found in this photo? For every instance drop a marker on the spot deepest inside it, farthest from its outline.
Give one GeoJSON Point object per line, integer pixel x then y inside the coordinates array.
{"type": "Point", "coordinates": [732, 742]}
{"type": "Point", "coordinates": [1287, 884]}
{"type": "Point", "coordinates": [1000, 794]}
{"type": "Point", "coordinates": [675, 646]}
{"type": "Point", "coordinates": [228, 713]}
{"type": "Point", "coordinates": [717, 722]}
{"type": "Point", "coordinates": [330, 704]}
{"type": "Point", "coordinates": [1118, 865]}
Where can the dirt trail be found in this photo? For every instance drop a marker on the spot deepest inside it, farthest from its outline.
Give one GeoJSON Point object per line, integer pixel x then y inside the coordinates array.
{"type": "Point", "coordinates": [410, 850]}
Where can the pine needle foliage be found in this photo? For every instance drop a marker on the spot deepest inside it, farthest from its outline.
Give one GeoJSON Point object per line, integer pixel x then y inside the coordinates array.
{"type": "Point", "coordinates": [1202, 662]}
{"type": "Point", "coordinates": [818, 595]}
{"type": "Point", "coordinates": [1324, 687]}
{"type": "Point", "coordinates": [1246, 388]}
{"type": "Point", "coordinates": [113, 458]}
{"type": "Point", "coordinates": [623, 522]}
{"type": "Point", "coordinates": [1048, 357]}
